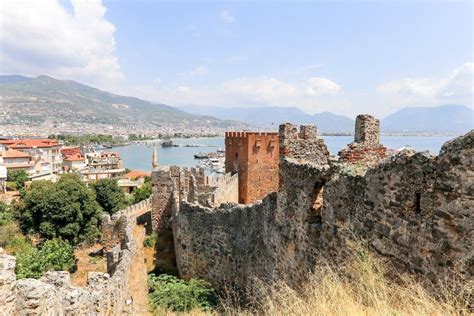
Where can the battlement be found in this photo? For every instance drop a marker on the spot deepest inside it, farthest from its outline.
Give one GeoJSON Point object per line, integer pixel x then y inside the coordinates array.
{"type": "Point", "coordinates": [302, 144]}
{"type": "Point", "coordinates": [366, 147]}
{"type": "Point", "coordinates": [367, 130]}
{"type": "Point", "coordinates": [244, 134]}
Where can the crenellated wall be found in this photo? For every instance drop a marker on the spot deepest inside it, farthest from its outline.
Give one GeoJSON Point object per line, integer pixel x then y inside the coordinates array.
{"type": "Point", "coordinates": [414, 210]}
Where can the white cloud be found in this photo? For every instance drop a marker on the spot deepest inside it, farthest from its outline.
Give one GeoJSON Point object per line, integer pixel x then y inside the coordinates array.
{"type": "Point", "coordinates": [456, 87]}
{"type": "Point", "coordinates": [226, 16]}
{"type": "Point", "coordinates": [42, 37]}
{"type": "Point", "coordinates": [321, 86]}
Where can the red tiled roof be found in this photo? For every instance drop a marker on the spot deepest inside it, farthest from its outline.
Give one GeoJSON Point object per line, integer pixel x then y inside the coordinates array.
{"type": "Point", "coordinates": [12, 153]}
{"type": "Point", "coordinates": [29, 143]}
{"type": "Point", "coordinates": [68, 151]}
{"type": "Point", "coordinates": [135, 174]}
{"type": "Point", "coordinates": [77, 157]}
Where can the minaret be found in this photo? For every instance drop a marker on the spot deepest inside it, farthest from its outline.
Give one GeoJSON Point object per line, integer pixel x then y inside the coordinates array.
{"type": "Point", "coordinates": [154, 158]}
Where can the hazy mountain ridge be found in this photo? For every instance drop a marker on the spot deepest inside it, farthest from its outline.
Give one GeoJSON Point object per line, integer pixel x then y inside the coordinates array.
{"type": "Point", "coordinates": [448, 118]}
{"type": "Point", "coordinates": [272, 116]}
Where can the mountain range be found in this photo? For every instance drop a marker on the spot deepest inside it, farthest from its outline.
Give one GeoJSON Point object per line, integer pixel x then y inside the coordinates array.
{"type": "Point", "coordinates": [45, 100]}
{"type": "Point", "coordinates": [41, 99]}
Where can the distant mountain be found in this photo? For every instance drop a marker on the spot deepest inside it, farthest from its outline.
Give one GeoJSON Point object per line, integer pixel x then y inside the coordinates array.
{"type": "Point", "coordinates": [44, 99]}
{"type": "Point", "coordinates": [272, 116]}
{"type": "Point", "coordinates": [447, 118]}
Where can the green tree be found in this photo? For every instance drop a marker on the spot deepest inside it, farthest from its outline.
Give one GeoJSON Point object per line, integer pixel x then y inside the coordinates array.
{"type": "Point", "coordinates": [66, 209]}
{"type": "Point", "coordinates": [170, 293]}
{"type": "Point", "coordinates": [144, 192]}
{"type": "Point", "coordinates": [55, 255]}
{"type": "Point", "coordinates": [19, 177]}
{"type": "Point", "coordinates": [109, 195]}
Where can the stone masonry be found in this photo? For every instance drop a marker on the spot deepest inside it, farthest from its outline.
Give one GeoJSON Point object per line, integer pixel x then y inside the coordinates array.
{"type": "Point", "coordinates": [366, 148]}
{"type": "Point", "coordinates": [414, 210]}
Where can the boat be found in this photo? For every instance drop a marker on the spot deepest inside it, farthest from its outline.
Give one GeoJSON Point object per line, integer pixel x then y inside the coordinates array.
{"type": "Point", "coordinates": [201, 156]}
{"type": "Point", "coordinates": [167, 143]}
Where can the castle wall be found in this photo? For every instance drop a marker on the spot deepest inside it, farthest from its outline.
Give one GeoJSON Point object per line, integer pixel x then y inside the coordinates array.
{"type": "Point", "coordinates": [104, 294]}
{"type": "Point", "coordinates": [254, 156]}
{"type": "Point", "coordinates": [414, 210]}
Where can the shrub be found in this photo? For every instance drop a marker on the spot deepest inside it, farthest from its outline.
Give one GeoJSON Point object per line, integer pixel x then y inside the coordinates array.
{"type": "Point", "coordinates": [167, 292]}
{"type": "Point", "coordinates": [144, 192]}
{"type": "Point", "coordinates": [66, 209]}
{"type": "Point", "coordinates": [150, 241]}
{"type": "Point", "coordinates": [5, 215]}
{"type": "Point", "coordinates": [19, 177]}
{"type": "Point", "coordinates": [12, 240]}
{"type": "Point", "coordinates": [109, 195]}
{"type": "Point", "coordinates": [54, 255]}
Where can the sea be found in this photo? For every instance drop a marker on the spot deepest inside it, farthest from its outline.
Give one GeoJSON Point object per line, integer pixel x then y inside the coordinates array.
{"type": "Point", "coordinates": [138, 156]}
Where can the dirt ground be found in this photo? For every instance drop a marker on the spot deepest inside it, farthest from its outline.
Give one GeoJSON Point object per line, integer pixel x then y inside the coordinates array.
{"type": "Point", "coordinates": [89, 259]}
{"type": "Point", "coordinates": [138, 275]}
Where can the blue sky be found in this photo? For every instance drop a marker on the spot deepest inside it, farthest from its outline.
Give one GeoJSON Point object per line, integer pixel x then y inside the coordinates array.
{"type": "Point", "coordinates": [346, 57]}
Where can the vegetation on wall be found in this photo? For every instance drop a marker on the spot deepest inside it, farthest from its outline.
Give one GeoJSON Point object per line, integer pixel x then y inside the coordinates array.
{"type": "Point", "coordinates": [66, 209]}
{"type": "Point", "coordinates": [168, 293]}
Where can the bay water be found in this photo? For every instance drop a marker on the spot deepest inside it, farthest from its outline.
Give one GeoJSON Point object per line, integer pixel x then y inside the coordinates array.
{"type": "Point", "coordinates": [138, 156]}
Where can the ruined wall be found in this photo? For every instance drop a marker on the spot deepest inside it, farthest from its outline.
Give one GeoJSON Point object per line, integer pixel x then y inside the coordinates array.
{"type": "Point", "coordinates": [104, 294]}
{"type": "Point", "coordinates": [302, 145]}
{"type": "Point", "coordinates": [225, 189]}
{"type": "Point", "coordinates": [254, 156]}
{"type": "Point", "coordinates": [366, 148]}
{"type": "Point", "coordinates": [414, 210]}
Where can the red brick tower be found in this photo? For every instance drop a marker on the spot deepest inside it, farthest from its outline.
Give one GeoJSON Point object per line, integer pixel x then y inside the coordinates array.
{"type": "Point", "coordinates": [255, 157]}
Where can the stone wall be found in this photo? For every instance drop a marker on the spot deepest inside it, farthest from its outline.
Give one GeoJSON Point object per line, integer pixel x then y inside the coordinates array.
{"type": "Point", "coordinates": [414, 210]}
{"type": "Point", "coordinates": [104, 294]}
{"type": "Point", "coordinates": [225, 189]}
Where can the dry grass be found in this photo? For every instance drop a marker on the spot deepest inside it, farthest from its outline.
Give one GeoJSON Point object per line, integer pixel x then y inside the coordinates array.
{"type": "Point", "coordinates": [357, 288]}
{"type": "Point", "coordinates": [360, 288]}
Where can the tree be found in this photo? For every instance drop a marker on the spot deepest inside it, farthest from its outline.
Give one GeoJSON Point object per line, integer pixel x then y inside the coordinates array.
{"type": "Point", "coordinates": [66, 209]}
{"type": "Point", "coordinates": [19, 177]}
{"type": "Point", "coordinates": [55, 255]}
{"type": "Point", "coordinates": [144, 192]}
{"type": "Point", "coordinates": [109, 195]}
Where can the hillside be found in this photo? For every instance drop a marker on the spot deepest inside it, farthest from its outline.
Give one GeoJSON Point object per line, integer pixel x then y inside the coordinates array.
{"type": "Point", "coordinates": [44, 99]}
{"type": "Point", "coordinates": [447, 118]}
{"type": "Point", "coordinates": [272, 116]}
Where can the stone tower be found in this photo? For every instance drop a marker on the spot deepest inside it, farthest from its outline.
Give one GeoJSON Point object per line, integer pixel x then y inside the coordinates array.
{"type": "Point", "coordinates": [154, 158]}
{"type": "Point", "coordinates": [255, 157]}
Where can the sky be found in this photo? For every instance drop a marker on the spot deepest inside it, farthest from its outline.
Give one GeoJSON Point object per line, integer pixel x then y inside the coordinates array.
{"type": "Point", "coordinates": [346, 57]}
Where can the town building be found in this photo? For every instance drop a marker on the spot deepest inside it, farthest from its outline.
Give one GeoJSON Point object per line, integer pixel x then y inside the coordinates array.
{"type": "Point", "coordinates": [133, 180]}
{"type": "Point", "coordinates": [41, 158]}
{"type": "Point", "coordinates": [102, 165]}
{"type": "Point", "coordinates": [74, 162]}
